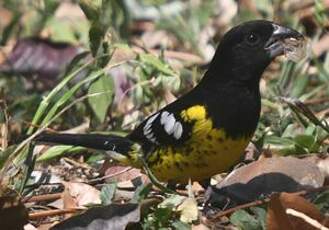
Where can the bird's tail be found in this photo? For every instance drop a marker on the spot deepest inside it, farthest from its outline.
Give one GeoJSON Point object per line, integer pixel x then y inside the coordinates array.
{"type": "Point", "coordinates": [119, 148]}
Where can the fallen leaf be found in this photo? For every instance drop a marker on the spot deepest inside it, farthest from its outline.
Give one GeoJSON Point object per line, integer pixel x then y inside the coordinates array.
{"type": "Point", "coordinates": [290, 211]}
{"type": "Point", "coordinates": [68, 201]}
{"type": "Point", "coordinates": [276, 215]}
{"type": "Point", "coordinates": [189, 210]}
{"type": "Point", "coordinates": [114, 217]}
{"type": "Point", "coordinates": [121, 173]}
{"type": "Point", "coordinates": [172, 201]}
{"type": "Point", "coordinates": [244, 220]}
{"type": "Point", "coordinates": [38, 56]}
{"type": "Point", "coordinates": [262, 178]}
{"type": "Point", "coordinates": [83, 194]}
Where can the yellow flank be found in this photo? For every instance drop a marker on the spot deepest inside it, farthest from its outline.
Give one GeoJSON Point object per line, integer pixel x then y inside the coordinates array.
{"type": "Point", "coordinates": [208, 152]}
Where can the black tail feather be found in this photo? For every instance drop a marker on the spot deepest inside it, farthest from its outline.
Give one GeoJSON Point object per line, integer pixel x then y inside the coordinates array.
{"type": "Point", "coordinates": [94, 141]}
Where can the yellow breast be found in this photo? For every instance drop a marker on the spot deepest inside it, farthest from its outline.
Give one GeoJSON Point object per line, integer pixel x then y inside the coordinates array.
{"type": "Point", "coordinates": [209, 151]}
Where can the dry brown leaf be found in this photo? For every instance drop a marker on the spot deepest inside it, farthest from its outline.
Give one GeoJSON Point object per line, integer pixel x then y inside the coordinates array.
{"type": "Point", "coordinates": [303, 171]}
{"type": "Point", "coordinates": [121, 173]}
{"type": "Point", "coordinates": [68, 202]}
{"type": "Point", "coordinates": [276, 215]}
{"type": "Point", "coordinates": [83, 194]}
{"type": "Point", "coordinates": [263, 177]}
{"type": "Point", "coordinates": [290, 211]}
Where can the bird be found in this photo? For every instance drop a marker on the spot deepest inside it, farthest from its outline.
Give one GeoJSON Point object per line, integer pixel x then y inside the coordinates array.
{"type": "Point", "coordinates": [205, 131]}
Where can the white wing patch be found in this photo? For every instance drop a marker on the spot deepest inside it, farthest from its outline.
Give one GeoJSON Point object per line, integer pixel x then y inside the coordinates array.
{"type": "Point", "coordinates": [147, 130]}
{"type": "Point", "coordinates": [178, 130]}
{"type": "Point", "coordinates": [170, 125]}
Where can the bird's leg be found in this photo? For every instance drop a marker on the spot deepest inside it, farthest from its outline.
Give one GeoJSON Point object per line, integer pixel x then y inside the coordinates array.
{"type": "Point", "coordinates": [154, 180]}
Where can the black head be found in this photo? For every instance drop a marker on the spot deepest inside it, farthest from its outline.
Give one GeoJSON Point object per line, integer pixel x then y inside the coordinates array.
{"type": "Point", "coordinates": [247, 49]}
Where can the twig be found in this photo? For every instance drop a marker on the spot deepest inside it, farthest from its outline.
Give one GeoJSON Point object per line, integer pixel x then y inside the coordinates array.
{"type": "Point", "coordinates": [110, 175]}
{"type": "Point", "coordinates": [316, 101]}
{"type": "Point", "coordinates": [45, 197]}
{"type": "Point", "coordinates": [77, 164]}
{"type": "Point", "coordinates": [47, 213]}
{"type": "Point", "coordinates": [4, 128]}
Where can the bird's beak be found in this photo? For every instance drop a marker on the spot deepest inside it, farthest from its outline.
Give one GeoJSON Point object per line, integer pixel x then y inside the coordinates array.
{"type": "Point", "coordinates": [280, 38]}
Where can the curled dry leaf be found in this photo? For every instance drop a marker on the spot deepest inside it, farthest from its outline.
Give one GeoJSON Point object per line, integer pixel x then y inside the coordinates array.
{"type": "Point", "coordinates": [290, 211]}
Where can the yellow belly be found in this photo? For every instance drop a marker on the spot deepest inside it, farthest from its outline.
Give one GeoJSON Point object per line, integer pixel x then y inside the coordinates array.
{"type": "Point", "coordinates": [209, 151]}
{"type": "Point", "coordinates": [203, 158]}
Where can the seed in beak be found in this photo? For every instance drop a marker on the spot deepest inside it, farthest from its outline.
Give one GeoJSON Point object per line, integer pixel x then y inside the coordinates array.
{"type": "Point", "coordinates": [295, 49]}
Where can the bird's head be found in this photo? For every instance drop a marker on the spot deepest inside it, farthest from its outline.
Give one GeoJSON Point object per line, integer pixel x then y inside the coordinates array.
{"type": "Point", "coordinates": [247, 49]}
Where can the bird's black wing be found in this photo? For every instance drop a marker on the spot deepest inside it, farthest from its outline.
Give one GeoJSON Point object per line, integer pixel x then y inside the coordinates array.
{"type": "Point", "coordinates": [163, 128]}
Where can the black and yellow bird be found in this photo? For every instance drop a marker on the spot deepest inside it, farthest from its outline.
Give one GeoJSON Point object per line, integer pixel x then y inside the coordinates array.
{"type": "Point", "coordinates": [205, 131]}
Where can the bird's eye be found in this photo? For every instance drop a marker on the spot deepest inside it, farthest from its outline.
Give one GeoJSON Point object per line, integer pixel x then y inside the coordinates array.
{"type": "Point", "coordinates": [252, 39]}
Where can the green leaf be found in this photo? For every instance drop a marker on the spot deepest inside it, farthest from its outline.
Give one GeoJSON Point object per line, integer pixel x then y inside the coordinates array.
{"type": "Point", "coordinates": [321, 201]}
{"type": "Point", "coordinates": [141, 193]}
{"type": "Point", "coordinates": [156, 63]}
{"type": "Point", "coordinates": [179, 225]}
{"type": "Point", "coordinates": [162, 215]}
{"type": "Point", "coordinates": [90, 8]}
{"type": "Point", "coordinates": [100, 103]}
{"type": "Point", "coordinates": [5, 154]}
{"type": "Point", "coordinates": [172, 201]}
{"type": "Point", "coordinates": [96, 34]}
{"type": "Point", "coordinates": [107, 193]}
{"type": "Point", "coordinates": [69, 94]}
{"type": "Point", "coordinates": [61, 31]}
{"type": "Point", "coordinates": [44, 105]}
{"type": "Point", "coordinates": [260, 215]}
{"type": "Point", "coordinates": [305, 141]}
{"type": "Point", "coordinates": [243, 220]}
{"type": "Point", "coordinates": [284, 145]}
{"type": "Point", "coordinates": [9, 29]}
{"type": "Point", "coordinates": [95, 158]}
{"type": "Point", "coordinates": [59, 150]}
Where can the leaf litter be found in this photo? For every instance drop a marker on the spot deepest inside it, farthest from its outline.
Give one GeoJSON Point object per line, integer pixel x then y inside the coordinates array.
{"type": "Point", "coordinates": [249, 186]}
